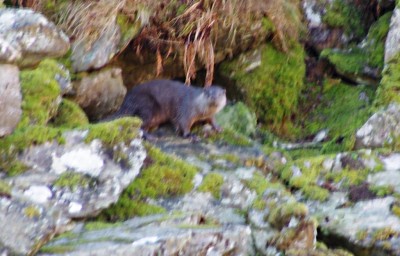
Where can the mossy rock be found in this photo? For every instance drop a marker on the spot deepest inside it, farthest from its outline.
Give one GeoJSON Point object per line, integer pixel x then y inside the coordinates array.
{"type": "Point", "coordinates": [239, 118]}
{"type": "Point", "coordinates": [353, 63]}
{"type": "Point", "coordinates": [166, 176]}
{"type": "Point", "coordinates": [272, 89]}
{"type": "Point", "coordinates": [345, 15]}
{"type": "Point", "coordinates": [41, 93]}
{"type": "Point", "coordinates": [342, 111]}
{"type": "Point", "coordinates": [389, 87]}
{"type": "Point", "coordinates": [281, 214]}
{"type": "Point", "coordinates": [212, 183]}
{"type": "Point", "coordinates": [70, 115]}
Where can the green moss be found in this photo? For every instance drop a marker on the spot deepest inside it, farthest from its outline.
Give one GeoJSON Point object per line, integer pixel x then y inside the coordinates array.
{"type": "Point", "coordinates": [341, 112]}
{"type": "Point", "coordinates": [344, 14]}
{"type": "Point", "coordinates": [375, 49]}
{"type": "Point", "coordinates": [348, 177]}
{"type": "Point", "coordinates": [352, 61]}
{"type": "Point", "coordinates": [389, 86]}
{"type": "Point", "coordinates": [167, 176]}
{"type": "Point", "coordinates": [41, 93]}
{"type": "Point", "coordinates": [96, 225]}
{"type": "Point", "coordinates": [73, 180]}
{"type": "Point", "coordinates": [238, 118]}
{"type": "Point", "coordinates": [121, 130]}
{"type": "Point", "coordinates": [281, 214]}
{"type": "Point", "coordinates": [382, 191]}
{"type": "Point", "coordinates": [396, 210]}
{"type": "Point", "coordinates": [129, 29]}
{"type": "Point", "coordinates": [362, 234]}
{"type": "Point", "coordinates": [231, 137]}
{"type": "Point", "coordinates": [21, 139]}
{"type": "Point", "coordinates": [314, 192]}
{"type": "Point", "coordinates": [5, 189]}
{"type": "Point", "coordinates": [212, 183]}
{"type": "Point", "coordinates": [57, 249]}
{"type": "Point", "coordinates": [259, 184]}
{"type": "Point", "coordinates": [32, 212]}
{"type": "Point", "coordinates": [70, 115]}
{"type": "Point", "coordinates": [272, 89]}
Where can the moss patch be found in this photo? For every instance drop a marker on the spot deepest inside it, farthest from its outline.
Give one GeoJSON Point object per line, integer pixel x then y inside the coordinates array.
{"type": "Point", "coordinates": [272, 89]}
{"type": "Point", "coordinates": [5, 189]}
{"type": "Point", "coordinates": [212, 183]}
{"type": "Point", "coordinates": [231, 137]}
{"type": "Point", "coordinates": [167, 176]}
{"type": "Point", "coordinates": [238, 118]}
{"type": "Point", "coordinates": [73, 180]}
{"type": "Point", "coordinates": [121, 130]}
{"type": "Point", "coordinates": [70, 115]}
{"type": "Point", "coordinates": [389, 87]}
{"type": "Point", "coordinates": [343, 110]}
{"type": "Point", "coordinates": [21, 139]}
{"type": "Point", "coordinates": [41, 93]}
{"type": "Point", "coordinates": [344, 14]}
{"type": "Point", "coordinates": [281, 214]}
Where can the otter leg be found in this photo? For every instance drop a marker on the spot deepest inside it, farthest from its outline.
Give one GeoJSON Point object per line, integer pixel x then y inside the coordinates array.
{"type": "Point", "coordinates": [214, 124]}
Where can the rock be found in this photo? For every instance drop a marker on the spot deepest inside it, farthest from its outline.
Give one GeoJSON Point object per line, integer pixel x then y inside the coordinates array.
{"type": "Point", "coordinates": [10, 99]}
{"type": "Point", "coordinates": [381, 129]}
{"type": "Point", "coordinates": [90, 53]}
{"type": "Point", "coordinates": [65, 181]}
{"type": "Point", "coordinates": [161, 234]}
{"type": "Point", "coordinates": [27, 37]}
{"type": "Point", "coordinates": [239, 118]}
{"type": "Point", "coordinates": [392, 45]}
{"type": "Point", "coordinates": [320, 35]}
{"type": "Point", "coordinates": [100, 93]}
{"type": "Point", "coordinates": [369, 226]}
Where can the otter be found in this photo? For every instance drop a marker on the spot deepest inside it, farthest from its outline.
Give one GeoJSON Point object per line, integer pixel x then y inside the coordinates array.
{"type": "Point", "coordinates": [160, 101]}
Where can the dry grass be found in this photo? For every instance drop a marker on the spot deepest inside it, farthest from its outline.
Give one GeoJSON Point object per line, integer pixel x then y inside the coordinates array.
{"type": "Point", "coordinates": [193, 25]}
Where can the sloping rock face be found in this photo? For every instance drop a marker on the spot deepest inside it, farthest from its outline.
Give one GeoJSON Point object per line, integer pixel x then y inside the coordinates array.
{"type": "Point", "coordinates": [101, 93]}
{"type": "Point", "coordinates": [382, 129]}
{"type": "Point", "coordinates": [63, 182]}
{"type": "Point", "coordinates": [10, 99]}
{"type": "Point", "coordinates": [392, 45]}
{"type": "Point", "coordinates": [27, 37]}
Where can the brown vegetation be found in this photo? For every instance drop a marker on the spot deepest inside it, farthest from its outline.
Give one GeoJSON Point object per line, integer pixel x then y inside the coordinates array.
{"type": "Point", "coordinates": [193, 25]}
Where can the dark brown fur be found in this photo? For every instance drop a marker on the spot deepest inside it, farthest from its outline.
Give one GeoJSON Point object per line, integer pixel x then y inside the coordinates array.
{"type": "Point", "coordinates": [161, 101]}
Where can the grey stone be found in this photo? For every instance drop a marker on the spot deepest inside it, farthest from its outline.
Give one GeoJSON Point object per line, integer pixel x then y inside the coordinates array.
{"type": "Point", "coordinates": [41, 205]}
{"type": "Point", "coordinates": [381, 129]}
{"type": "Point", "coordinates": [159, 235]}
{"type": "Point", "coordinates": [392, 45]}
{"type": "Point", "coordinates": [27, 37]}
{"type": "Point", "coordinates": [10, 99]}
{"type": "Point", "coordinates": [100, 93]}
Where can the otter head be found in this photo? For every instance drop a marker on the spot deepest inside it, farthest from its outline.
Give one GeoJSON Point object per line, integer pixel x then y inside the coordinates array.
{"type": "Point", "coordinates": [216, 97]}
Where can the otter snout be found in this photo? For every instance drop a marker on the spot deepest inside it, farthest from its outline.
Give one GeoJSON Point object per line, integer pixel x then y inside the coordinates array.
{"type": "Point", "coordinates": [216, 96]}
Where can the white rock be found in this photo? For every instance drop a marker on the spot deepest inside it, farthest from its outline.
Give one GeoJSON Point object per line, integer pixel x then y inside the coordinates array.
{"type": "Point", "coordinates": [38, 194]}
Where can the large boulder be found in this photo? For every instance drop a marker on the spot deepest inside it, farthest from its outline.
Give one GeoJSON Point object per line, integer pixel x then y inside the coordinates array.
{"type": "Point", "coordinates": [100, 93]}
{"type": "Point", "coordinates": [381, 129]}
{"type": "Point", "coordinates": [10, 99]}
{"type": "Point", "coordinates": [27, 37]}
{"type": "Point", "coordinates": [73, 179]}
